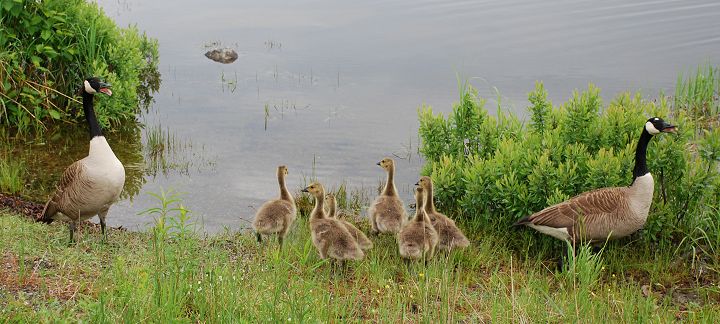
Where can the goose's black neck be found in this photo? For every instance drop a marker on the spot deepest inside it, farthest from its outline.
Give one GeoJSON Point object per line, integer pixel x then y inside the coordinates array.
{"type": "Point", "coordinates": [640, 155]}
{"type": "Point", "coordinates": [90, 115]}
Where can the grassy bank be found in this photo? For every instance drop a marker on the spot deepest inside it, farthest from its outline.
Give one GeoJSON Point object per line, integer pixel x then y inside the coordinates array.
{"type": "Point", "coordinates": [169, 273]}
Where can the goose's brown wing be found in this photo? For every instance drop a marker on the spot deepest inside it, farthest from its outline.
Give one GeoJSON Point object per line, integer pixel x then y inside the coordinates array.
{"type": "Point", "coordinates": [590, 206]}
{"type": "Point", "coordinates": [69, 180]}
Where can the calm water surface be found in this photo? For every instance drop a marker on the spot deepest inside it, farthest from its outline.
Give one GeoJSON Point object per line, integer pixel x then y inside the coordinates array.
{"type": "Point", "coordinates": [342, 81]}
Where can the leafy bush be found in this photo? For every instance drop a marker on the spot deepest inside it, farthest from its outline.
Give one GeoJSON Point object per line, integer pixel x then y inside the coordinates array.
{"type": "Point", "coordinates": [48, 47]}
{"type": "Point", "coordinates": [490, 170]}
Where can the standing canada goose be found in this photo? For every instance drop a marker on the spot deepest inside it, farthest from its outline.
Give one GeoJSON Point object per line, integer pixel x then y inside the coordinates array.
{"type": "Point", "coordinates": [362, 240]}
{"type": "Point", "coordinates": [387, 212]}
{"type": "Point", "coordinates": [450, 236]}
{"type": "Point", "coordinates": [89, 186]}
{"type": "Point", "coordinates": [276, 216]}
{"type": "Point", "coordinates": [330, 237]}
{"type": "Point", "coordinates": [607, 213]}
{"type": "Point", "coordinates": [418, 237]}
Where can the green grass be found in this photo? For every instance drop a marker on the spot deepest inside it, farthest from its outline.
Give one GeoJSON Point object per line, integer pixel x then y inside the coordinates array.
{"type": "Point", "coordinates": [170, 274]}
{"type": "Point", "coordinates": [698, 94]}
{"type": "Point", "coordinates": [165, 152]}
{"type": "Point", "coordinates": [12, 175]}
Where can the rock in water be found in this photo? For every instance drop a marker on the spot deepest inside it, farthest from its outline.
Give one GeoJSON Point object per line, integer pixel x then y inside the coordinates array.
{"type": "Point", "coordinates": [222, 55]}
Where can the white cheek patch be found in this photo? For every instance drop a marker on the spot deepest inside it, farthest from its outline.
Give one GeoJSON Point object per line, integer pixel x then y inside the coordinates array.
{"type": "Point", "coordinates": [88, 88]}
{"type": "Point", "coordinates": [651, 128]}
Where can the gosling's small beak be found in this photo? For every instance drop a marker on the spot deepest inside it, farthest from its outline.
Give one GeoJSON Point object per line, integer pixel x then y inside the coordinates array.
{"type": "Point", "coordinates": [417, 183]}
{"type": "Point", "coordinates": [669, 128]}
{"type": "Point", "coordinates": [378, 163]}
{"type": "Point", "coordinates": [305, 189]}
{"type": "Point", "coordinates": [105, 88]}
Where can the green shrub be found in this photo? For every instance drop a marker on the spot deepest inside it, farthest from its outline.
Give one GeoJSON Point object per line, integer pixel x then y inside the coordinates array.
{"type": "Point", "coordinates": [490, 171]}
{"type": "Point", "coordinates": [48, 47]}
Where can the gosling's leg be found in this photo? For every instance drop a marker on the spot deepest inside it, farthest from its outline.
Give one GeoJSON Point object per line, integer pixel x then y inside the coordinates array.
{"type": "Point", "coordinates": [258, 236]}
{"type": "Point", "coordinates": [373, 226]}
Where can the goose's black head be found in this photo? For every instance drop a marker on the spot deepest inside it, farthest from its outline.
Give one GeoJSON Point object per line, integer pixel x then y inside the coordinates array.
{"type": "Point", "coordinates": [93, 85]}
{"type": "Point", "coordinates": [657, 125]}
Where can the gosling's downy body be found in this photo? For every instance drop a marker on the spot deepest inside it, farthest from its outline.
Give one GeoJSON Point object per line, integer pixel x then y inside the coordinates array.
{"type": "Point", "coordinates": [329, 236]}
{"type": "Point", "coordinates": [418, 238]}
{"type": "Point", "coordinates": [362, 240]}
{"type": "Point", "coordinates": [276, 216]}
{"type": "Point", "coordinates": [450, 236]}
{"type": "Point", "coordinates": [387, 213]}
{"type": "Point", "coordinates": [91, 185]}
{"type": "Point", "coordinates": [607, 213]}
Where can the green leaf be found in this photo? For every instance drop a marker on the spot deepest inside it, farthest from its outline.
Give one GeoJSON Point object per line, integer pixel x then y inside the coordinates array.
{"type": "Point", "coordinates": [54, 113]}
{"type": "Point", "coordinates": [45, 34]}
{"type": "Point", "coordinates": [35, 60]}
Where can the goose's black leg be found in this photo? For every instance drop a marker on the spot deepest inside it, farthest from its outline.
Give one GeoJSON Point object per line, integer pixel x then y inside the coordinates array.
{"type": "Point", "coordinates": [102, 215]}
{"type": "Point", "coordinates": [71, 226]}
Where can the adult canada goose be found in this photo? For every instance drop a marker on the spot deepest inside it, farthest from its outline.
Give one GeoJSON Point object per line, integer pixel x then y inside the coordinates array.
{"type": "Point", "coordinates": [387, 212]}
{"type": "Point", "coordinates": [418, 237]}
{"type": "Point", "coordinates": [362, 240]}
{"type": "Point", "coordinates": [276, 216]}
{"type": "Point", "coordinates": [89, 186]}
{"type": "Point", "coordinates": [329, 236]}
{"type": "Point", "coordinates": [606, 213]}
{"type": "Point", "coordinates": [450, 236]}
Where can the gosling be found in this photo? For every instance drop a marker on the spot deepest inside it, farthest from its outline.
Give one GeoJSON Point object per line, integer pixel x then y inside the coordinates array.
{"type": "Point", "coordinates": [362, 240]}
{"type": "Point", "coordinates": [418, 238]}
{"type": "Point", "coordinates": [276, 216]}
{"type": "Point", "coordinates": [450, 236]}
{"type": "Point", "coordinates": [387, 213]}
{"type": "Point", "coordinates": [329, 236]}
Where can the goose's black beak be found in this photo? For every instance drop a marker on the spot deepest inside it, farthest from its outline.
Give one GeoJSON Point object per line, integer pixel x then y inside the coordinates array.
{"type": "Point", "coordinates": [669, 128]}
{"type": "Point", "coordinates": [105, 88]}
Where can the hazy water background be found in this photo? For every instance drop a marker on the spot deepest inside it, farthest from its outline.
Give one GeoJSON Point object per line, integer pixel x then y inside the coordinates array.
{"type": "Point", "coordinates": [343, 80]}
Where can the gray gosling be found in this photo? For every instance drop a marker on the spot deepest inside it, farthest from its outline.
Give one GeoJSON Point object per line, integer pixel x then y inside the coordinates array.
{"type": "Point", "coordinates": [607, 213]}
{"type": "Point", "coordinates": [91, 185]}
{"type": "Point", "coordinates": [450, 236]}
{"type": "Point", "coordinates": [362, 240]}
{"type": "Point", "coordinates": [277, 215]}
{"type": "Point", "coordinates": [329, 236]}
{"type": "Point", "coordinates": [387, 213]}
{"type": "Point", "coordinates": [418, 238]}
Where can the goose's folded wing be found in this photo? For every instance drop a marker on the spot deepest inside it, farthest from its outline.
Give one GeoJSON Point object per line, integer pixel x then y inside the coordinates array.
{"type": "Point", "coordinates": [587, 206]}
{"type": "Point", "coordinates": [68, 181]}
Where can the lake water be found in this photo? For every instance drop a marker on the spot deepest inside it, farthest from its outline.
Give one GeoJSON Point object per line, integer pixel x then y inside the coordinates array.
{"type": "Point", "coordinates": [330, 87]}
